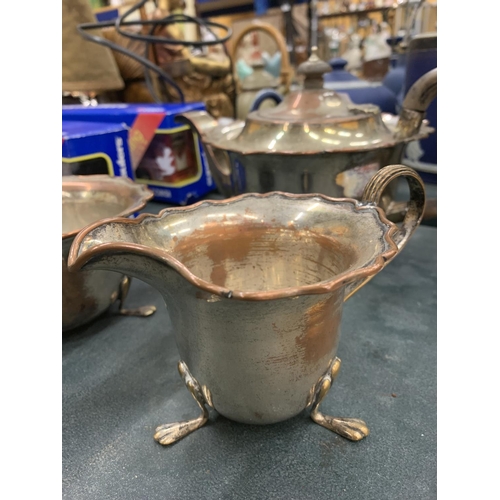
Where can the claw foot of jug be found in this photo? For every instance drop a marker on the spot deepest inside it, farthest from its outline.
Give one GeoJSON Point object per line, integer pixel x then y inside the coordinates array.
{"type": "Point", "coordinates": [142, 311]}
{"type": "Point", "coordinates": [350, 428]}
{"type": "Point", "coordinates": [170, 433]}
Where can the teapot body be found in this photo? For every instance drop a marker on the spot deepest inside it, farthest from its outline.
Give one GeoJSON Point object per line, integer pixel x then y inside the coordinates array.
{"type": "Point", "coordinates": [337, 175]}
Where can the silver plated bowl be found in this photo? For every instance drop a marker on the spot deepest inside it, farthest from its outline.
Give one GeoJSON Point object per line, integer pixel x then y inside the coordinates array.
{"type": "Point", "coordinates": [86, 200]}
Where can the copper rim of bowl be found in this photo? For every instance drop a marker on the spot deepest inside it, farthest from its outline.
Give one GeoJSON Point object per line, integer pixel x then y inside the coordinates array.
{"type": "Point", "coordinates": [138, 202]}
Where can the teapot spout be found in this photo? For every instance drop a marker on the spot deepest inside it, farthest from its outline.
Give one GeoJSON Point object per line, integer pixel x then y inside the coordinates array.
{"type": "Point", "coordinates": [199, 121]}
{"type": "Point", "coordinates": [218, 160]}
{"type": "Point", "coordinates": [415, 104]}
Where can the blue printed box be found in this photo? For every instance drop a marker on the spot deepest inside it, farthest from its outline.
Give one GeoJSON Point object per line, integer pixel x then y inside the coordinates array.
{"type": "Point", "coordinates": [95, 148]}
{"type": "Point", "coordinates": [165, 155]}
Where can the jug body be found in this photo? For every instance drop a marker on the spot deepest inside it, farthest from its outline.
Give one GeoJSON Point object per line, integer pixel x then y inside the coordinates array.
{"type": "Point", "coordinates": [259, 359]}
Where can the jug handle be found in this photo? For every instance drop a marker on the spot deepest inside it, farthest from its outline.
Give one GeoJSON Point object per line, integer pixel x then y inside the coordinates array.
{"type": "Point", "coordinates": [372, 194]}
{"type": "Point", "coordinates": [264, 94]}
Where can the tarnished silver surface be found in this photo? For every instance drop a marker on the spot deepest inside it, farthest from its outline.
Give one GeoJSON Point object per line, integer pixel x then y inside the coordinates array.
{"type": "Point", "coordinates": [346, 175]}
{"type": "Point", "coordinates": [315, 141]}
{"type": "Point", "coordinates": [416, 102]}
{"type": "Point", "coordinates": [255, 285]}
{"type": "Point", "coordinates": [85, 200]}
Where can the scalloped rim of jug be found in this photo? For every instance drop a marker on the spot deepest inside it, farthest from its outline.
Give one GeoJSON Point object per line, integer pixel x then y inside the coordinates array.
{"type": "Point", "coordinates": [76, 262]}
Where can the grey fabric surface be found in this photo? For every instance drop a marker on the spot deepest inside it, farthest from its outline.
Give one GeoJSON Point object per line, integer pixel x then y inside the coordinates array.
{"type": "Point", "coordinates": [120, 381]}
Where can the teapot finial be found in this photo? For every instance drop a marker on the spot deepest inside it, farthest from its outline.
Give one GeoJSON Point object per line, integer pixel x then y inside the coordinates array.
{"type": "Point", "coordinates": [313, 70]}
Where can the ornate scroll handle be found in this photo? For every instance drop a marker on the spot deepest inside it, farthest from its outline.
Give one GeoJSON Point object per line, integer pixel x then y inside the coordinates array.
{"type": "Point", "coordinates": [376, 186]}
{"type": "Point", "coordinates": [286, 70]}
{"type": "Point", "coordinates": [416, 205]}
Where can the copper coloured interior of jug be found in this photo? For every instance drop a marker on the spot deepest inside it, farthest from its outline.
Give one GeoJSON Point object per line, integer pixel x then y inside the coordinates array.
{"type": "Point", "coordinates": [259, 243]}
{"type": "Point", "coordinates": [258, 257]}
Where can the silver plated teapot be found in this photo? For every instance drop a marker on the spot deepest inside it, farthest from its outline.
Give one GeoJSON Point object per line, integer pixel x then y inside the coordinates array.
{"type": "Point", "coordinates": [315, 141]}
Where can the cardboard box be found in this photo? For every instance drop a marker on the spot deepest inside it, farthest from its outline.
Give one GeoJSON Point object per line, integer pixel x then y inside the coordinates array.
{"type": "Point", "coordinates": [95, 148]}
{"type": "Point", "coordinates": [165, 155]}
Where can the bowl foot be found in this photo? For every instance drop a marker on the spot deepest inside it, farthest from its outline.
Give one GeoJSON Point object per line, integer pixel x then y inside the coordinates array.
{"type": "Point", "coordinates": [143, 311]}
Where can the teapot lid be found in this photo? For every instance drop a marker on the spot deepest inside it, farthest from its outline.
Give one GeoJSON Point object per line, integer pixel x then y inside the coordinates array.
{"type": "Point", "coordinates": [312, 120]}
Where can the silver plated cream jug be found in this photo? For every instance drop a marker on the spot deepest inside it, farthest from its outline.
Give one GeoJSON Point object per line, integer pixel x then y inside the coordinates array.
{"type": "Point", "coordinates": [255, 286]}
